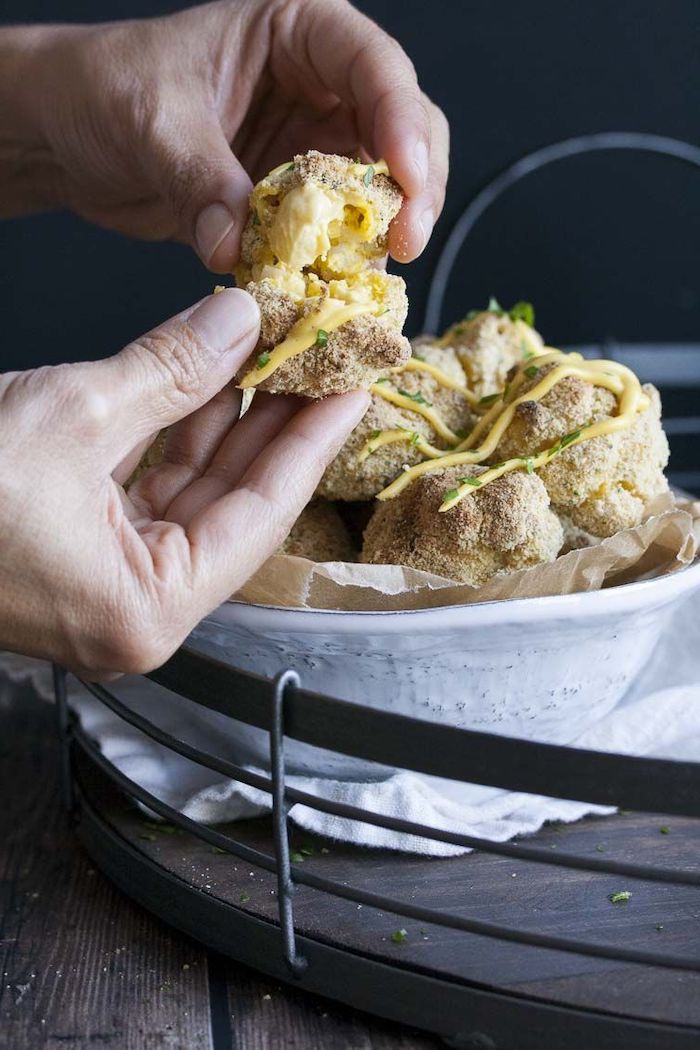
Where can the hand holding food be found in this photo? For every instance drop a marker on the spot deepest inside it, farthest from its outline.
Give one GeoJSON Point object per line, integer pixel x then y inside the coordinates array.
{"type": "Point", "coordinates": [155, 127]}
{"type": "Point", "coordinates": [105, 581]}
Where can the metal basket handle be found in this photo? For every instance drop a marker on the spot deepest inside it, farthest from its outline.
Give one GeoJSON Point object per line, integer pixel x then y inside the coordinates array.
{"type": "Point", "coordinates": [574, 147]}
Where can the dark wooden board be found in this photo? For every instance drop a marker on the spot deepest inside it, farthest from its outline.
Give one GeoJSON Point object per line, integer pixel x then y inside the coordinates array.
{"type": "Point", "coordinates": [82, 966]}
{"type": "Point", "coordinates": [566, 902]}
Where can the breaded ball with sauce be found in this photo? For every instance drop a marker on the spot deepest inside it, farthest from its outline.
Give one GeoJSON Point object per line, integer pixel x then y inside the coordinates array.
{"type": "Point", "coordinates": [603, 484]}
{"type": "Point", "coordinates": [319, 534]}
{"type": "Point", "coordinates": [348, 478]}
{"type": "Point", "coordinates": [317, 228]}
{"type": "Point", "coordinates": [488, 345]}
{"type": "Point", "coordinates": [506, 526]}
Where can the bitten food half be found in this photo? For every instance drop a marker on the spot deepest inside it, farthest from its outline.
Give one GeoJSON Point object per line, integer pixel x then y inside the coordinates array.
{"type": "Point", "coordinates": [331, 320]}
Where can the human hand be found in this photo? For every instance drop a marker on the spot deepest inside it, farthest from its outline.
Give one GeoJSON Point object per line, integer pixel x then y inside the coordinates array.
{"type": "Point", "coordinates": [105, 581]}
{"type": "Point", "coordinates": [144, 115]}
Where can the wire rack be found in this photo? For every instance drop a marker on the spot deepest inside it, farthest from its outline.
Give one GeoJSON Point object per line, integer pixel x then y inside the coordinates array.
{"type": "Point", "coordinates": [286, 709]}
{"type": "Point", "coordinates": [466, 1013]}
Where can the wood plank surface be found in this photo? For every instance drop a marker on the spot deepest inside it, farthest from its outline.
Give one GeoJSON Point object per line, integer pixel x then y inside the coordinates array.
{"type": "Point", "coordinates": [83, 967]}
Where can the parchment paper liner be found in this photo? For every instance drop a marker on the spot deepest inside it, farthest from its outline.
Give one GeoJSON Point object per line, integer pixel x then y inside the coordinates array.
{"type": "Point", "coordinates": [667, 540]}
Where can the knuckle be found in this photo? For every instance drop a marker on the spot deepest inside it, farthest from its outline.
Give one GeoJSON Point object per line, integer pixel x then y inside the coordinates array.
{"type": "Point", "coordinates": [177, 357]}
{"type": "Point", "coordinates": [79, 397]}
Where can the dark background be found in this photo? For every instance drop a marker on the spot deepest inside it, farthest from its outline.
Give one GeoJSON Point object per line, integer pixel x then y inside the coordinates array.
{"type": "Point", "coordinates": [605, 246]}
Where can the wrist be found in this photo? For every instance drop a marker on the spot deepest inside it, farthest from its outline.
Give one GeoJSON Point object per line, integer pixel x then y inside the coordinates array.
{"type": "Point", "coordinates": [30, 73]}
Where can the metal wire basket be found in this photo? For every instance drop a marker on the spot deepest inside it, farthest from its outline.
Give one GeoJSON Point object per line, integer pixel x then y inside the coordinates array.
{"type": "Point", "coordinates": [429, 988]}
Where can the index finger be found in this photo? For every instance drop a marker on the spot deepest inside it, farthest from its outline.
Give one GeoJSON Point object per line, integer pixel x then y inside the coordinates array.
{"type": "Point", "coordinates": [369, 71]}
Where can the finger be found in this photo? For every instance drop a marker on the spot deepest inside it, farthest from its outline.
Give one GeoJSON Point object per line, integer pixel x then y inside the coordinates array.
{"type": "Point", "coordinates": [178, 367]}
{"type": "Point", "coordinates": [232, 537]}
{"type": "Point", "coordinates": [189, 448]}
{"type": "Point", "coordinates": [413, 226]}
{"type": "Point", "coordinates": [369, 71]}
{"type": "Point", "coordinates": [262, 423]}
{"type": "Point", "coordinates": [207, 188]}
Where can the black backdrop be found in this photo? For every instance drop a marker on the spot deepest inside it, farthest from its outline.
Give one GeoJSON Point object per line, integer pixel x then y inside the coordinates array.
{"type": "Point", "coordinates": [603, 246]}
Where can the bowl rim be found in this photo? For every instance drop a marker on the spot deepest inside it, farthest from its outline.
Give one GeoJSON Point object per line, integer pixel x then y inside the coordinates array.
{"type": "Point", "coordinates": [624, 598]}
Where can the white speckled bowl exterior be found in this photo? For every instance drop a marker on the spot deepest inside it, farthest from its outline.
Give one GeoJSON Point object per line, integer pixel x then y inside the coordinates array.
{"type": "Point", "coordinates": [543, 668]}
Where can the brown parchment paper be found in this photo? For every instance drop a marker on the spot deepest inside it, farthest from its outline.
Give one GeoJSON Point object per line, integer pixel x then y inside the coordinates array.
{"type": "Point", "coordinates": [667, 540]}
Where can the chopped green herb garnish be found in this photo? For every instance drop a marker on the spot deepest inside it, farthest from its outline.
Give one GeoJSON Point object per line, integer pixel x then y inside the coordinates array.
{"type": "Point", "coordinates": [522, 311]}
{"type": "Point", "coordinates": [665, 830]}
{"type": "Point", "coordinates": [296, 857]}
{"type": "Point", "coordinates": [384, 379]}
{"type": "Point", "coordinates": [254, 218]}
{"type": "Point", "coordinates": [369, 175]}
{"type": "Point", "coordinates": [449, 496]}
{"type": "Point", "coordinates": [495, 307]}
{"type": "Point", "coordinates": [399, 936]}
{"type": "Point", "coordinates": [471, 481]}
{"type": "Point", "coordinates": [569, 438]}
{"type": "Point", "coordinates": [531, 372]}
{"type": "Point", "coordinates": [495, 466]}
{"type": "Point", "coordinates": [262, 359]}
{"type": "Point", "coordinates": [418, 357]}
{"type": "Point", "coordinates": [489, 399]}
{"type": "Point", "coordinates": [290, 167]}
{"type": "Point", "coordinates": [459, 328]}
{"type": "Point", "coordinates": [529, 465]}
{"type": "Point", "coordinates": [418, 398]}
{"type": "Point", "coordinates": [321, 337]}
{"type": "Point", "coordinates": [621, 897]}
{"type": "Point", "coordinates": [374, 434]}
{"type": "Point", "coordinates": [461, 433]}
{"type": "Point", "coordinates": [244, 898]}
{"type": "Point", "coordinates": [415, 437]}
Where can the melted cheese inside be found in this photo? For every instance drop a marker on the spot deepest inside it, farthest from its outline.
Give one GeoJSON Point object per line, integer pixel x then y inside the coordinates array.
{"type": "Point", "coordinates": [487, 433]}
{"type": "Point", "coordinates": [319, 239]}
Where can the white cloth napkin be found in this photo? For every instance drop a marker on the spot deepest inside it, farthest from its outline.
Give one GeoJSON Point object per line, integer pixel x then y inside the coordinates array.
{"type": "Point", "coordinates": [660, 716]}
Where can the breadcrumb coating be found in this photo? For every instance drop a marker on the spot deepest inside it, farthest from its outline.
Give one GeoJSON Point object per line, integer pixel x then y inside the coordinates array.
{"type": "Point", "coordinates": [349, 208]}
{"type": "Point", "coordinates": [506, 526]}
{"type": "Point", "coordinates": [488, 346]}
{"type": "Point", "coordinates": [319, 534]}
{"type": "Point", "coordinates": [346, 479]}
{"type": "Point", "coordinates": [354, 355]}
{"type": "Point", "coordinates": [602, 485]}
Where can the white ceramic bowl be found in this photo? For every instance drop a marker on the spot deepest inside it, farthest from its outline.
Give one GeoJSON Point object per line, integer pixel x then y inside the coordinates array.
{"type": "Point", "coordinates": [542, 668]}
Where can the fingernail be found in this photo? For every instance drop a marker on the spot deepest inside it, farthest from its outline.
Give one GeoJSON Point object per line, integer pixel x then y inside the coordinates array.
{"type": "Point", "coordinates": [421, 162]}
{"type": "Point", "coordinates": [426, 223]}
{"type": "Point", "coordinates": [222, 321]}
{"type": "Point", "coordinates": [213, 224]}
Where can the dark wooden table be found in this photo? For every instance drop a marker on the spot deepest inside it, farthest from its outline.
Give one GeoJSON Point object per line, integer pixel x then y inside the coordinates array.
{"type": "Point", "coordinates": [84, 967]}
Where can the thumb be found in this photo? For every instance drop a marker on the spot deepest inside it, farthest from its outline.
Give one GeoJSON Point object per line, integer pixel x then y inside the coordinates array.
{"type": "Point", "coordinates": [206, 186]}
{"type": "Point", "coordinates": [174, 369]}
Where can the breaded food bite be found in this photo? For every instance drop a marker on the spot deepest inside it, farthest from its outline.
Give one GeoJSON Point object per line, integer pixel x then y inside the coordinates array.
{"type": "Point", "coordinates": [602, 485]}
{"type": "Point", "coordinates": [330, 320]}
{"type": "Point", "coordinates": [507, 526]}
{"type": "Point", "coordinates": [423, 404]}
{"type": "Point", "coordinates": [489, 342]}
{"type": "Point", "coordinates": [319, 534]}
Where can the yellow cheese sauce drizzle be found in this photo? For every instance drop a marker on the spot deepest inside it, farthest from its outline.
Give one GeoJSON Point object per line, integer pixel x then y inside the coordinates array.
{"type": "Point", "coordinates": [331, 314]}
{"type": "Point", "coordinates": [608, 374]}
{"type": "Point", "coordinates": [388, 437]}
{"type": "Point", "coordinates": [304, 334]}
